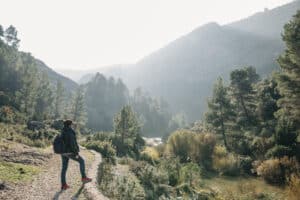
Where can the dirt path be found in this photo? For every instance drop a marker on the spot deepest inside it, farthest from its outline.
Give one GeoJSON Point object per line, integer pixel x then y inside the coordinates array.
{"type": "Point", "coordinates": [46, 185]}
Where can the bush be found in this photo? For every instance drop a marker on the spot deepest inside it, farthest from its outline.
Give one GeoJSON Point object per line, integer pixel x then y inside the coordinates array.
{"type": "Point", "coordinates": [179, 144]}
{"type": "Point", "coordinates": [293, 190]}
{"type": "Point", "coordinates": [277, 171]}
{"type": "Point", "coordinates": [279, 151]}
{"type": "Point", "coordinates": [153, 179]}
{"type": "Point", "coordinates": [260, 145]}
{"type": "Point", "coordinates": [105, 148]}
{"type": "Point", "coordinates": [245, 164]}
{"type": "Point", "coordinates": [271, 171]}
{"type": "Point", "coordinates": [6, 114]}
{"type": "Point", "coordinates": [190, 174]}
{"type": "Point", "coordinates": [202, 149]}
{"type": "Point", "coordinates": [150, 154]}
{"type": "Point", "coordinates": [119, 186]}
{"type": "Point", "coordinates": [172, 167]}
{"type": "Point", "coordinates": [190, 146]}
{"type": "Point", "coordinates": [57, 124]}
{"type": "Point", "coordinates": [226, 165]}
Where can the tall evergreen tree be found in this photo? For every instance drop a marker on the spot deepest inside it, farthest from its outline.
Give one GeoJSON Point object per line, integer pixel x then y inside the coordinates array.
{"type": "Point", "coordinates": [220, 110]}
{"type": "Point", "coordinates": [11, 36]}
{"type": "Point", "coordinates": [1, 31]}
{"type": "Point", "coordinates": [126, 124]}
{"type": "Point", "coordinates": [26, 95]}
{"type": "Point", "coordinates": [104, 98]}
{"type": "Point", "coordinates": [241, 84]}
{"type": "Point", "coordinates": [44, 99]}
{"type": "Point", "coordinates": [289, 78]}
{"type": "Point", "coordinates": [78, 108]}
{"type": "Point", "coordinates": [59, 100]}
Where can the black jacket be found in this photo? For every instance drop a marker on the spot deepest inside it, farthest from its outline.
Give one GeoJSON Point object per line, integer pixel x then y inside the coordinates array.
{"type": "Point", "coordinates": [70, 141]}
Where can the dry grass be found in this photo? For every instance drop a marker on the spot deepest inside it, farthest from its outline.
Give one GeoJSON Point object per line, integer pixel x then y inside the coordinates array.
{"type": "Point", "coordinates": [244, 189]}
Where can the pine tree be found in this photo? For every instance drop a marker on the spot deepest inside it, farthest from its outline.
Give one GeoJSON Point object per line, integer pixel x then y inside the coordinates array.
{"type": "Point", "coordinates": [267, 96]}
{"type": "Point", "coordinates": [220, 110]}
{"type": "Point", "coordinates": [78, 109]}
{"type": "Point", "coordinates": [242, 81]}
{"type": "Point", "coordinates": [25, 97]}
{"type": "Point", "coordinates": [126, 123]}
{"type": "Point", "coordinates": [44, 99]}
{"type": "Point", "coordinates": [128, 129]}
{"type": "Point", "coordinates": [289, 78]}
{"type": "Point", "coordinates": [11, 36]}
{"type": "Point", "coordinates": [59, 100]}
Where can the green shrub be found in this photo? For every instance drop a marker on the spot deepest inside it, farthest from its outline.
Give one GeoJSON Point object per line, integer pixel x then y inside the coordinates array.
{"type": "Point", "coordinates": [153, 179]}
{"type": "Point", "coordinates": [202, 149]}
{"type": "Point", "coordinates": [6, 114]}
{"type": "Point", "coordinates": [190, 146]}
{"type": "Point", "coordinates": [119, 186]}
{"type": "Point", "coordinates": [172, 167]}
{"type": "Point", "coordinates": [150, 154]}
{"type": "Point", "coordinates": [245, 164]}
{"type": "Point", "coordinates": [227, 165]}
{"type": "Point", "coordinates": [105, 148]}
{"type": "Point", "coordinates": [190, 173]}
{"type": "Point", "coordinates": [179, 144]}
{"type": "Point", "coordinates": [280, 151]}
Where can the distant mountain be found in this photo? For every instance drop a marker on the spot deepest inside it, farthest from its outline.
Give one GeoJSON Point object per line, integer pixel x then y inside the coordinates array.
{"type": "Point", "coordinates": [268, 23]}
{"type": "Point", "coordinates": [54, 76]}
{"type": "Point", "coordinates": [183, 72]}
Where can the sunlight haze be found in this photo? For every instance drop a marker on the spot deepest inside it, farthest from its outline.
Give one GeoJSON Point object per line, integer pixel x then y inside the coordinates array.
{"type": "Point", "coordinates": [95, 33]}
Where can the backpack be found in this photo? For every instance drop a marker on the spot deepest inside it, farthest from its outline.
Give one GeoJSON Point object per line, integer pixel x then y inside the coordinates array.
{"type": "Point", "coordinates": [58, 144]}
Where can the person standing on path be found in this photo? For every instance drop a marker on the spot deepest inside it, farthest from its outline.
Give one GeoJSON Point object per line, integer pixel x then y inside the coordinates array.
{"type": "Point", "coordinates": [71, 152]}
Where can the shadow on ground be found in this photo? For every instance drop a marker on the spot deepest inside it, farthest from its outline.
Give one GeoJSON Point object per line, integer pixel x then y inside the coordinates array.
{"type": "Point", "coordinates": [75, 197]}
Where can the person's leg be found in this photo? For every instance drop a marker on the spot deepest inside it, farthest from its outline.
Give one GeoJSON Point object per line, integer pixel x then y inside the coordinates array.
{"type": "Point", "coordinates": [79, 159]}
{"type": "Point", "coordinates": [65, 162]}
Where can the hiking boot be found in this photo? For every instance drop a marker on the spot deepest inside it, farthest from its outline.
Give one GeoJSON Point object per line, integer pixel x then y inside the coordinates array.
{"type": "Point", "coordinates": [65, 186]}
{"type": "Point", "coordinates": [86, 180]}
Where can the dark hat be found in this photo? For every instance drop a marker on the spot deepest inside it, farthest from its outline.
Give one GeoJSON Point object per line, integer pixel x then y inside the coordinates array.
{"type": "Point", "coordinates": [67, 122]}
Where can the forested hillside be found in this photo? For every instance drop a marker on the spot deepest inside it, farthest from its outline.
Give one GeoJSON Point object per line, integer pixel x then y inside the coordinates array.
{"type": "Point", "coordinates": [250, 133]}
{"type": "Point", "coordinates": [185, 69]}
{"type": "Point", "coordinates": [28, 88]}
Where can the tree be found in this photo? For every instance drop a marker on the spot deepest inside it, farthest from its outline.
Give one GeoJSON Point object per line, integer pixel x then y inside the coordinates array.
{"type": "Point", "coordinates": [78, 109]}
{"type": "Point", "coordinates": [26, 96]}
{"type": "Point", "coordinates": [44, 99]}
{"type": "Point", "coordinates": [1, 31]}
{"type": "Point", "coordinates": [59, 100]}
{"type": "Point", "coordinates": [11, 36]}
{"type": "Point", "coordinates": [220, 110]}
{"type": "Point", "coordinates": [104, 98]}
{"type": "Point", "coordinates": [152, 113]}
{"type": "Point", "coordinates": [289, 77]}
{"type": "Point", "coordinates": [267, 97]}
{"type": "Point", "coordinates": [242, 81]}
{"type": "Point", "coordinates": [128, 129]}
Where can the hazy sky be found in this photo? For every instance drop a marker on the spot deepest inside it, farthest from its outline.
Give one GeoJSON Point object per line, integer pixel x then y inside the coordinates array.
{"type": "Point", "coordinates": [85, 34]}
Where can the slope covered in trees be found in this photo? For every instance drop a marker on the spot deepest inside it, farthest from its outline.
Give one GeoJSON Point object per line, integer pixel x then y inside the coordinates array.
{"type": "Point", "coordinates": [251, 129]}
{"type": "Point", "coordinates": [185, 69]}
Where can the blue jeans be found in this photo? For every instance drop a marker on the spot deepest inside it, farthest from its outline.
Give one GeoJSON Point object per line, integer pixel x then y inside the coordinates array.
{"type": "Point", "coordinates": [65, 162]}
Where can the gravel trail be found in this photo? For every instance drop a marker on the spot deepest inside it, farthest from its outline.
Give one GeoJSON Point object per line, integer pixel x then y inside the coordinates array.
{"type": "Point", "coordinates": [46, 185]}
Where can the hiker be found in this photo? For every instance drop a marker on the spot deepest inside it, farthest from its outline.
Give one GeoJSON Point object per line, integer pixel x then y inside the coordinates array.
{"type": "Point", "coordinates": [71, 151]}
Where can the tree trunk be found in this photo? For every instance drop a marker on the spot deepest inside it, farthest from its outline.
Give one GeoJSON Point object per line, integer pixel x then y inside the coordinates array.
{"type": "Point", "coordinates": [245, 109]}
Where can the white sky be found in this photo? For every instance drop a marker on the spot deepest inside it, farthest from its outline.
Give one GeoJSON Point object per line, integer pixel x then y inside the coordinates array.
{"type": "Point", "coordinates": [86, 34]}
